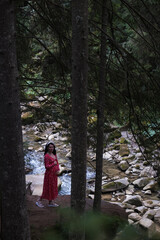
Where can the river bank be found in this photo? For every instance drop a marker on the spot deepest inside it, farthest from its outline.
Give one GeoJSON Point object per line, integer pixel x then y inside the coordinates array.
{"type": "Point", "coordinates": [129, 178]}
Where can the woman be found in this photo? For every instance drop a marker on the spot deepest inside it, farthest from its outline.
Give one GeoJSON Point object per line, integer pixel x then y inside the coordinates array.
{"type": "Point", "coordinates": [50, 189]}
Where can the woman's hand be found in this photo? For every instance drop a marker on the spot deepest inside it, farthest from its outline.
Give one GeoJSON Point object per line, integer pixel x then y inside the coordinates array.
{"type": "Point", "coordinates": [57, 173]}
{"type": "Point", "coordinates": [55, 163]}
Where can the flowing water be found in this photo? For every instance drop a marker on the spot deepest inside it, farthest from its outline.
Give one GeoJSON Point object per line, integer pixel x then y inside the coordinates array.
{"type": "Point", "coordinates": [35, 161]}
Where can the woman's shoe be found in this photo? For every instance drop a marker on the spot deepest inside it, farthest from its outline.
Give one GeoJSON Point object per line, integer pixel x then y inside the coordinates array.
{"type": "Point", "coordinates": [53, 205]}
{"type": "Point", "coordinates": [39, 204]}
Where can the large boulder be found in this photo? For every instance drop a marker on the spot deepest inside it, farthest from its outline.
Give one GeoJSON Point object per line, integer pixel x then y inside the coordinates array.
{"type": "Point", "coordinates": [141, 182]}
{"type": "Point", "coordinates": [115, 185]}
{"type": "Point", "coordinates": [133, 200]}
{"type": "Point", "coordinates": [123, 165]}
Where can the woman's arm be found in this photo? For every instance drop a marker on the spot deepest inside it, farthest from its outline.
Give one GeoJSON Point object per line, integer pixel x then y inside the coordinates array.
{"type": "Point", "coordinates": [46, 162]}
{"type": "Point", "coordinates": [56, 167]}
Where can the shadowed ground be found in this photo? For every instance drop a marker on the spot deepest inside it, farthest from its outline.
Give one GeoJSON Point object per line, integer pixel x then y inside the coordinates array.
{"type": "Point", "coordinates": [42, 218]}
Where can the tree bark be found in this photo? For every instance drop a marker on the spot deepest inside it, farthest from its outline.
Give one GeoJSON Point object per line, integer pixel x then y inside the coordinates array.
{"type": "Point", "coordinates": [14, 221]}
{"type": "Point", "coordinates": [100, 110]}
{"type": "Point", "coordinates": [79, 102]}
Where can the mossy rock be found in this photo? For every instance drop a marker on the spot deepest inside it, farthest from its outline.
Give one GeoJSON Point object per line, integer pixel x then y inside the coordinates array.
{"type": "Point", "coordinates": [38, 139]}
{"type": "Point", "coordinates": [113, 186]}
{"type": "Point", "coordinates": [155, 187]}
{"type": "Point", "coordinates": [123, 165]}
{"type": "Point", "coordinates": [124, 151]}
{"type": "Point", "coordinates": [123, 140]}
{"type": "Point", "coordinates": [127, 158]}
{"type": "Point", "coordinates": [137, 166]}
{"type": "Point", "coordinates": [27, 118]}
{"type": "Point", "coordinates": [116, 146]}
{"type": "Point", "coordinates": [114, 135]}
{"type": "Point", "coordinates": [146, 163]}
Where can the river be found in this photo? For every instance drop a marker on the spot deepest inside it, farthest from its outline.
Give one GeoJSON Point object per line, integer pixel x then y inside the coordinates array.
{"type": "Point", "coordinates": [34, 161]}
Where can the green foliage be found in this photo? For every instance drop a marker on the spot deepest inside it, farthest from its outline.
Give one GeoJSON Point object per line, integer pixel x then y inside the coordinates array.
{"type": "Point", "coordinates": [94, 226]}
{"type": "Point", "coordinates": [132, 67]}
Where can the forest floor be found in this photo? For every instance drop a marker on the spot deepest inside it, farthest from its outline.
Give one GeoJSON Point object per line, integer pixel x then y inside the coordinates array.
{"type": "Point", "coordinates": [42, 219]}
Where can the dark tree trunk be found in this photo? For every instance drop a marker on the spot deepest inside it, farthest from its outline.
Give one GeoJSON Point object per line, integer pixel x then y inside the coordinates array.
{"type": "Point", "coordinates": [100, 111]}
{"type": "Point", "coordinates": [14, 221]}
{"type": "Point", "coordinates": [79, 102]}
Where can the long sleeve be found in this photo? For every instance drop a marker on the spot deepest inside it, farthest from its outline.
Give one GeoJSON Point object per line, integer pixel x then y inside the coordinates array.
{"type": "Point", "coordinates": [47, 163]}
{"type": "Point", "coordinates": [56, 167]}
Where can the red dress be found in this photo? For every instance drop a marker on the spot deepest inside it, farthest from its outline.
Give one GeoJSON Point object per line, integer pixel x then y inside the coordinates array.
{"type": "Point", "coordinates": [50, 189]}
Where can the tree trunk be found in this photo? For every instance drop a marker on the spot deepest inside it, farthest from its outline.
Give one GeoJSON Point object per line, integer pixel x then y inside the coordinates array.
{"type": "Point", "coordinates": [100, 111]}
{"type": "Point", "coordinates": [14, 221]}
{"type": "Point", "coordinates": [79, 102]}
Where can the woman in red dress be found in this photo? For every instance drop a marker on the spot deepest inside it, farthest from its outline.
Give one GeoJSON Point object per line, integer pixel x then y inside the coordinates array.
{"type": "Point", "coordinates": [50, 189]}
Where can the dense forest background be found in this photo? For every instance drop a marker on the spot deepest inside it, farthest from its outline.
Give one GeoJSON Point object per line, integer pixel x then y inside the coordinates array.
{"type": "Point", "coordinates": [131, 67]}
{"type": "Point", "coordinates": [118, 54]}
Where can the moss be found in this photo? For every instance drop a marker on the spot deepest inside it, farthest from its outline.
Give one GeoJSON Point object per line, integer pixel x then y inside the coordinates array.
{"type": "Point", "coordinates": [146, 163]}
{"type": "Point", "coordinates": [114, 135]}
{"type": "Point", "coordinates": [112, 186]}
{"type": "Point", "coordinates": [124, 151]}
{"type": "Point", "coordinates": [27, 118]}
{"type": "Point", "coordinates": [123, 140]}
{"type": "Point", "coordinates": [129, 157]}
{"type": "Point", "coordinates": [137, 166]}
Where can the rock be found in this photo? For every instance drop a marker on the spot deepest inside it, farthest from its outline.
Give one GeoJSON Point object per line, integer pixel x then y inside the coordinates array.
{"type": "Point", "coordinates": [30, 148]}
{"type": "Point", "coordinates": [127, 205]}
{"type": "Point", "coordinates": [146, 223]}
{"type": "Point", "coordinates": [139, 155]}
{"type": "Point", "coordinates": [157, 216]}
{"type": "Point", "coordinates": [134, 216]}
{"type": "Point", "coordinates": [113, 135]}
{"type": "Point", "coordinates": [40, 149]}
{"type": "Point", "coordinates": [130, 221]}
{"type": "Point", "coordinates": [91, 196]}
{"type": "Point", "coordinates": [115, 185]}
{"type": "Point", "coordinates": [141, 182]}
{"type": "Point", "coordinates": [106, 197]}
{"type": "Point", "coordinates": [146, 163]}
{"type": "Point", "coordinates": [123, 165]}
{"type": "Point", "coordinates": [148, 172]}
{"type": "Point", "coordinates": [151, 203]}
{"type": "Point", "coordinates": [107, 156]}
{"type": "Point", "coordinates": [63, 169]}
{"type": "Point", "coordinates": [129, 158]}
{"type": "Point", "coordinates": [124, 151]}
{"type": "Point", "coordinates": [148, 192]}
{"type": "Point", "coordinates": [140, 209]}
{"type": "Point", "coordinates": [27, 117]}
{"type": "Point", "coordinates": [39, 139]}
{"type": "Point", "coordinates": [133, 200]}
{"type": "Point", "coordinates": [123, 140]}
{"type": "Point", "coordinates": [52, 137]}
{"type": "Point", "coordinates": [150, 214]}
{"type": "Point", "coordinates": [129, 211]}
{"type": "Point", "coordinates": [150, 185]}
{"type": "Point", "coordinates": [68, 155]}
{"type": "Point", "coordinates": [116, 147]}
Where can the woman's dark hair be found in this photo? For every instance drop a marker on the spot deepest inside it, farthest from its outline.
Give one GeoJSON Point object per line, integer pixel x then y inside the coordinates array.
{"type": "Point", "coordinates": [46, 148]}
